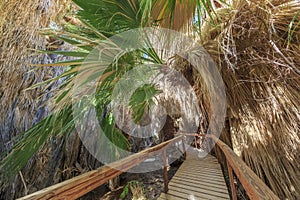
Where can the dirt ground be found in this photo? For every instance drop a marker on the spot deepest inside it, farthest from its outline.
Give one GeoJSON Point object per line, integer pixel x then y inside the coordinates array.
{"type": "Point", "coordinates": [152, 181]}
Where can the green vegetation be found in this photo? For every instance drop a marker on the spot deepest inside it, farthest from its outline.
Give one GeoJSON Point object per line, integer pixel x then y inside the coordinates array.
{"type": "Point", "coordinates": [136, 188]}
{"type": "Point", "coordinates": [256, 47]}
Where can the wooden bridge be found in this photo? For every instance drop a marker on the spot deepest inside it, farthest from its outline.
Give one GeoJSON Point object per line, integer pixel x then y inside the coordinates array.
{"type": "Point", "coordinates": [195, 179]}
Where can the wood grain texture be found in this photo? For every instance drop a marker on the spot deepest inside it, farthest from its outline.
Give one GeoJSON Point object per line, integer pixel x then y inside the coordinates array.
{"type": "Point", "coordinates": [232, 186]}
{"type": "Point", "coordinates": [192, 181]}
{"type": "Point", "coordinates": [166, 180]}
{"type": "Point", "coordinates": [254, 186]}
{"type": "Point", "coordinates": [256, 189]}
{"type": "Point", "coordinates": [198, 178]}
{"type": "Point", "coordinates": [169, 197]}
{"type": "Point", "coordinates": [81, 185]}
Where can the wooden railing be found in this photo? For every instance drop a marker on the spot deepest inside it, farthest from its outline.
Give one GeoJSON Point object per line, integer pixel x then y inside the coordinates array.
{"type": "Point", "coordinates": [78, 186]}
{"type": "Point", "coordinates": [253, 185]}
{"type": "Point", "coordinates": [82, 184]}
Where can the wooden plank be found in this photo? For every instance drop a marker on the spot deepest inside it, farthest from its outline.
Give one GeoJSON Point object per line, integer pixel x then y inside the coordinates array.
{"type": "Point", "coordinates": [80, 185]}
{"type": "Point", "coordinates": [211, 187]}
{"type": "Point", "coordinates": [197, 194]}
{"type": "Point", "coordinates": [204, 182]}
{"type": "Point", "coordinates": [195, 153]}
{"type": "Point", "coordinates": [169, 197]}
{"type": "Point", "coordinates": [193, 195]}
{"type": "Point", "coordinates": [199, 166]}
{"type": "Point", "coordinates": [204, 168]}
{"type": "Point", "coordinates": [203, 163]}
{"type": "Point", "coordinates": [184, 195]}
{"type": "Point", "coordinates": [210, 159]}
{"type": "Point", "coordinates": [189, 161]}
{"type": "Point", "coordinates": [201, 173]}
{"type": "Point", "coordinates": [199, 190]}
{"type": "Point", "coordinates": [194, 162]}
{"type": "Point", "coordinates": [217, 181]}
{"type": "Point", "coordinates": [197, 170]}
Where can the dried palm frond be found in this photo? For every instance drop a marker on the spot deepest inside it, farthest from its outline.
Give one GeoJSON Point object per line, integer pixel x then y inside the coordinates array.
{"type": "Point", "coordinates": [256, 45]}
{"type": "Point", "coordinates": [20, 24]}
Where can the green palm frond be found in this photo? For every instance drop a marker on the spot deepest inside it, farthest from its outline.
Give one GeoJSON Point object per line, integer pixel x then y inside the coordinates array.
{"type": "Point", "coordinates": [56, 124]}
{"type": "Point", "coordinates": [141, 100]}
{"type": "Point", "coordinates": [111, 16]}
{"type": "Point", "coordinates": [293, 26]}
{"type": "Point", "coordinates": [99, 20]}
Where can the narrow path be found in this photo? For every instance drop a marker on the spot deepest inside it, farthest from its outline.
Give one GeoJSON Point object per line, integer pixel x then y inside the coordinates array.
{"type": "Point", "coordinates": [197, 178]}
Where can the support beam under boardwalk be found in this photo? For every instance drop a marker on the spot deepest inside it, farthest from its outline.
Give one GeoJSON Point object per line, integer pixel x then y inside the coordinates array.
{"type": "Point", "coordinates": [197, 178]}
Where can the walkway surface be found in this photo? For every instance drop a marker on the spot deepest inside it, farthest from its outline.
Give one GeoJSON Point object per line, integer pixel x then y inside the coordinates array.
{"type": "Point", "coordinates": [197, 178]}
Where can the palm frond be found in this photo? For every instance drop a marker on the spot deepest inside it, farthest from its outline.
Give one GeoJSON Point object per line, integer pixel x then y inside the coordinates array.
{"type": "Point", "coordinates": [56, 124]}
{"type": "Point", "coordinates": [99, 19]}
{"type": "Point", "coordinates": [111, 16]}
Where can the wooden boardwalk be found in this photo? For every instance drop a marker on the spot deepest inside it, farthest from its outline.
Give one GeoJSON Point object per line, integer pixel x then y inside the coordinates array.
{"type": "Point", "coordinates": [197, 178]}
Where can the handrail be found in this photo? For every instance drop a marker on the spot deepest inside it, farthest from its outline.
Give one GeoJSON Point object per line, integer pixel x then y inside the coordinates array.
{"type": "Point", "coordinates": [253, 185]}
{"type": "Point", "coordinates": [82, 184]}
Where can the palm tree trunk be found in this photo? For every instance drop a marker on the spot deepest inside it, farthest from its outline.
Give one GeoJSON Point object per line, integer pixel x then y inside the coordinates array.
{"type": "Point", "coordinates": [59, 159]}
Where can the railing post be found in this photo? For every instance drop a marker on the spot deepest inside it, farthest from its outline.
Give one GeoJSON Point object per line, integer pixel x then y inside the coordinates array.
{"type": "Point", "coordinates": [165, 162]}
{"type": "Point", "coordinates": [183, 147]}
{"type": "Point", "coordinates": [232, 186]}
{"type": "Point", "coordinates": [208, 143]}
